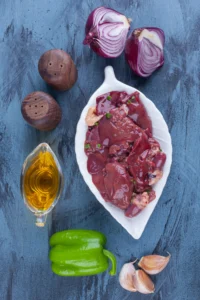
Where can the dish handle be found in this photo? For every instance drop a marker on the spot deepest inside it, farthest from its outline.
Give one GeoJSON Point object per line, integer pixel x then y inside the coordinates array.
{"type": "Point", "coordinates": [109, 75]}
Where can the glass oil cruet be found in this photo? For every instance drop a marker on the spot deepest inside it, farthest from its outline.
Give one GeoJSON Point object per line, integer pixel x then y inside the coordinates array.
{"type": "Point", "coordinates": [41, 182]}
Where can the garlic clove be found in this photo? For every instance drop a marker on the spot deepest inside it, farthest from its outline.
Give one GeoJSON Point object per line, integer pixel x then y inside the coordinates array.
{"type": "Point", "coordinates": [126, 277]}
{"type": "Point", "coordinates": [153, 264]}
{"type": "Point", "coordinates": [143, 283]}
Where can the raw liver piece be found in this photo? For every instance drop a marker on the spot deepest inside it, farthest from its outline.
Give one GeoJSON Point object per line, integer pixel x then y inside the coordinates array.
{"type": "Point", "coordinates": [118, 185]}
{"type": "Point", "coordinates": [139, 165]}
{"type": "Point", "coordinates": [118, 128]}
{"type": "Point", "coordinates": [139, 202]}
{"type": "Point", "coordinates": [104, 105]}
{"type": "Point", "coordinates": [93, 135]}
{"type": "Point", "coordinates": [159, 160]}
{"type": "Point", "coordinates": [98, 180]}
{"type": "Point", "coordinates": [95, 163]}
{"type": "Point", "coordinates": [138, 113]}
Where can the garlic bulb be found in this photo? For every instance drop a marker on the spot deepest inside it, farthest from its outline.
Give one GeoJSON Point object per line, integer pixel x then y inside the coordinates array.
{"type": "Point", "coordinates": [126, 277]}
{"type": "Point", "coordinates": [143, 283]}
{"type": "Point", "coordinates": [153, 264]}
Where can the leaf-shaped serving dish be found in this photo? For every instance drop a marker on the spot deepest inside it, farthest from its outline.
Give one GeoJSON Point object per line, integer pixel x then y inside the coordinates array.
{"type": "Point", "coordinates": [135, 226]}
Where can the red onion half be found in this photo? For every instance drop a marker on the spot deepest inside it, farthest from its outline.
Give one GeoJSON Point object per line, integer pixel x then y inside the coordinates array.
{"type": "Point", "coordinates": [144, 50]}
{"type": "Point", "coordinates": [106, 32]}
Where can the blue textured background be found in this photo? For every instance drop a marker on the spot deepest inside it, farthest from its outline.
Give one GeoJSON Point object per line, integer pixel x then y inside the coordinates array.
{"type": "Point", "coordinates": [28, 28]}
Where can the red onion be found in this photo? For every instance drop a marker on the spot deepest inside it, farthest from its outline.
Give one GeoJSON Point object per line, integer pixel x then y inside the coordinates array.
{"type": "Point", "coordinates": [106, 32]}
{"type": "Point", "coordinates": [144, 50]}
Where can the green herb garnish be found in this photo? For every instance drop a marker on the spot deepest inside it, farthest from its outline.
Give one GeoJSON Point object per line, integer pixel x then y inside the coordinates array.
{"type": "Point", "coordinates": [109, 98]}
{"type": "Point", "coordinates": [108, 115]}
{"type": "Point", "coordinates": [133, 181]}
{"type": "Point", "coordinates": [98, 145]}
{"type": "Point", "coordinates": [148, 191]}
{"type": "Point", "coordinates": [160, 150]}
{"type": "Point", "coordinates": [96, 124]}
{"type": "Point", "coordinates": [87, 146]}
{"type": "Point", "coordinates": [131, 100]}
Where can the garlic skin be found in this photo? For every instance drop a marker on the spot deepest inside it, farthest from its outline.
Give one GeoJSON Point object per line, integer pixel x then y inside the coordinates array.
{"type": "Point", "coordinates": [153, 264]}
{"type": "Point", "coordinates": [126, 277]}
{"type": "Point", "coordinates": [143, 283]}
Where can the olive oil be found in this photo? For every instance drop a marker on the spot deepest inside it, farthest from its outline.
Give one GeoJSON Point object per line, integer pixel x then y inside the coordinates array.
{"type": "Point", "coordinates": [41, 181]}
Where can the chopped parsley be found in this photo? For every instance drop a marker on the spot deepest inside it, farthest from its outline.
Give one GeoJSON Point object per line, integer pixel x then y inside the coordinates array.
{"type": "Point", "coordinates": [133, 181]}
{"type": "Point", "coordinates": [160, 150]}
{"type": "Point", "coordinates": [87, 146]}
{"type": "Point", "coordinates": [96, 124]}
{"type": "Point", "coordinates": [98, 145]}
{"type": "Point", "coordinates": [148, 191]}
{"type": "Point", "coordinates": [109, 98]}
{"type": "Point", "coordinates": [131, 100]}
{"type": "Point", "coordinates": [108, 115]}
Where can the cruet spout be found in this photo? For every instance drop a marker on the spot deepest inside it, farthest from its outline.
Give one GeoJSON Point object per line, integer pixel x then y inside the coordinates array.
{"type": "Point", "coordinates": [41, 182]}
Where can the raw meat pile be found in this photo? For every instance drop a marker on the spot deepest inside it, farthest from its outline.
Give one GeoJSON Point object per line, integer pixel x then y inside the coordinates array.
{"type": "Point", "coordinates": [124, 159]}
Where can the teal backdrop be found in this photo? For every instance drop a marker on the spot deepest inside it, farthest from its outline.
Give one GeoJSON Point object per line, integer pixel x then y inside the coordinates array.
{"type": "Point", "coordinates": [29, 28]}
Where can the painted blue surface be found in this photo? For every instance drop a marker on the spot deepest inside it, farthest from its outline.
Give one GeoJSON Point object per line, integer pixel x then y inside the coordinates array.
{"type": "Point", "coordinates": [28, 28]}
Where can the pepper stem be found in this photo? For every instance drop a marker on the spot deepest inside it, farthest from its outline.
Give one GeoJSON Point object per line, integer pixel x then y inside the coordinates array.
{"type": "Point", "coordinates": [113, 261]}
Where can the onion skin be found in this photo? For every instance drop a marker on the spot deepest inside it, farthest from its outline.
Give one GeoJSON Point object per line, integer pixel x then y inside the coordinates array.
{"type": "Point", "coordinates": [143, 54]}
{"type": "Point", "coordinates": [100, 31]}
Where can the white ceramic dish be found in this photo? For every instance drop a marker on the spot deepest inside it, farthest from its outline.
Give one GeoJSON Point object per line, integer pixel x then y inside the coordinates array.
{"type": "Point", "coordinates": [136, 225]}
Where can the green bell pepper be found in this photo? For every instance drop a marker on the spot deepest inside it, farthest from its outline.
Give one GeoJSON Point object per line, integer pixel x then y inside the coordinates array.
{"type": "Point", "coordinates": [80, 253]}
